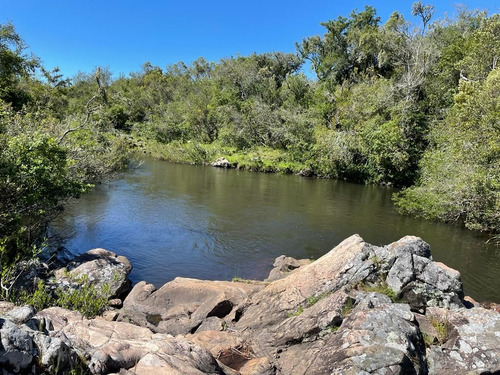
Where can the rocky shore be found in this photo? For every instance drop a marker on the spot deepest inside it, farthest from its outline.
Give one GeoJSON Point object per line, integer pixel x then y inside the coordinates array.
{"type": "Point", "coordinates": [359, 309]}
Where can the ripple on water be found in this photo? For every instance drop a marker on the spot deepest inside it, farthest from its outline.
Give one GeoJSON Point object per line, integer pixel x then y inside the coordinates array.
{"type": "Point", "coordinates": [178, 220]}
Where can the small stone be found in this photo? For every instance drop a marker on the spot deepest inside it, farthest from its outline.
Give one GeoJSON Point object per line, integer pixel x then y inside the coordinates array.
{"type": "Point", "coordinates": [110, 316]}
{"type": "Point", "coordinates": [21, 314]}
{"type": "Point", "coordinates": [115, 302]}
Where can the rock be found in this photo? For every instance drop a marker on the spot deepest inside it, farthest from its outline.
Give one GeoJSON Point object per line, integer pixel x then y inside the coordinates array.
{"type": "Point", "coordinates": [53, 353]}
{"type": "Point", "coordinates": [229, 350]}
{"type": "Point", "coordinates": [21, 314]}
{"type": "Point", "coordinates": [110, 316]}
{"type": "Point", "coordinates": [216, 341]}
{"type": "Point", "coordinates": [29, 273]}
{"type": "Point", "coordinates": [306, 324]}
{"type": "Point", "coordinates": [115, 302]}
{"type": "Point", "coordinates": [101, 267]}
{"type": "Point", "coordinates": [283, 265]}
{"type": "Point", "coordinates": [29, 348]}
{"type": "Point", "coordinates": [5, 307]}
{"type": "Point", "coordinates": [413, 275]}
{"type": "Point", "coordinates": [112, 346]}
{"type": "Point", "coordinates": [471, 343]}
{"type": "Point", "coordinates": [273, 304]}
{"type": "Point", "coordinates": [258, 366]}
{"type": "Point", "coordinates": [382, 339]}
{"type": "Point", "coordinates": [17, 349]}
{"type": "Point", "coordinates": [410, 245]}
{"type": "Point", "coordinates": [59, 317]}
{"type": "Point", "coordinates": [182, 305]}
{"type": "Point", "coordinates": [470, 302]}
{"type": "Point", "coordinates": [427, 329]}
{"type": "Point", "coordinates": [222, 163]}
{"type": "Point", "coordinates": [212, 324]}
{"type": "Point", "coordinates": [324, 317]}
{"type": "Point", "coordinates": [490, 306]}
{"type": "Point", "coordinates": [307, 172]}
{"type": "Point", "coordinates": [370, 300]}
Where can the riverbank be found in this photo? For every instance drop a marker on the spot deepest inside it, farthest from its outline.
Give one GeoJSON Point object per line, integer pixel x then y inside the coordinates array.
{"type": "Point", "coordinates": [215, 224]}
{"type": "Point", "coordinates": [258, 159]}
{"type": "Point", "coordinates": [359, 308]}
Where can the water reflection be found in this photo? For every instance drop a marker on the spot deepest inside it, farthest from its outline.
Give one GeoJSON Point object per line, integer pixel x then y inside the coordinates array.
{"type": "Point", "coordinates": [192, 221]}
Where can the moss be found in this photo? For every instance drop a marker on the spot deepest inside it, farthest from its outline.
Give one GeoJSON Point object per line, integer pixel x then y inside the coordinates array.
{"type": "Point", "coordinates": [237, 279]}
{"type": "Point", "coordinates": [348, 306]}
{"type": "Point", "coordinates": [333, 327]}
{"type": "Point", "coordinates": [299, 311]}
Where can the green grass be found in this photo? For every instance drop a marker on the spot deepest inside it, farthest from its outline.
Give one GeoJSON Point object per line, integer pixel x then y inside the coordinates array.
{"type": "Point", "coordinates": [380, 287]}
{"type": "Point", "coordinates": [348, 306]}
{"type": "Point", "coordinates": [237, 279]}
{"type": "Point", "coordinates": [429, 340]}
{"type": "Point", "coordinates": [257, 159]}
{"type": "Point", "coordinates": [442, 326]}
{"type": "Point", "coordinates": [299, 311]}
{"type": "Point", "coordinates": [83, 297]}
{"type": "Point", "coordinates": [312, 300]}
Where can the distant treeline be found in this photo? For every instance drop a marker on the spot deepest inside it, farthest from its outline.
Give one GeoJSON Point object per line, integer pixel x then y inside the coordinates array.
{"type": "Point", "coordinates": [414, 106]}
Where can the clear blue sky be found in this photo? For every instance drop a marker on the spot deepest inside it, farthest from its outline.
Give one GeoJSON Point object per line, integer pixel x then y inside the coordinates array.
{"type": "Point", "coordinates": [82, 34]}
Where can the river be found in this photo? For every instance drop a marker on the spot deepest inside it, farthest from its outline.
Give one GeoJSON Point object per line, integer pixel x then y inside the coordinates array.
{"type": "Point", "coordinates": [174, 220]}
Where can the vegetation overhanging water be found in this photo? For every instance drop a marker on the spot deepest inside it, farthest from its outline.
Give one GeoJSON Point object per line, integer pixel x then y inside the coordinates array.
{"type": "Point", "coordinates": [193, 221]}
{"type": "Point", "coordinates": [396, 103]}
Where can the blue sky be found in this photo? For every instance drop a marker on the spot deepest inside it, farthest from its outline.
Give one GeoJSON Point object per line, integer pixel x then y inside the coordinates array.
{"type": "Point", "coordinates": [122, 35]}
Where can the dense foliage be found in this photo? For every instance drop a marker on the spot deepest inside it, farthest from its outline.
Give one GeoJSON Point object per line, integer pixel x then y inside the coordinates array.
{"type": "Point", "coordinates": [414, 106]}
{"type": "Point", "coordinates": [54, 145]}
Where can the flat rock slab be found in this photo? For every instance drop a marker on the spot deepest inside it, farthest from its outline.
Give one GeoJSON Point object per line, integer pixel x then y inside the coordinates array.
{"type": "Point", "coordinates": [183, 305]}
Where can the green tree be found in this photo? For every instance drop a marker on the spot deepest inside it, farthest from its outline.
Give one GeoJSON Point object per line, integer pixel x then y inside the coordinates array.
{"type": "Point", "coordinates": [14, 65]}
{"type": "Point", "coordinates": [34, 179]}
{"type": "Point", "coordinates": [461, 174]}
{"type": "Point", "coordinates": [348, 47]}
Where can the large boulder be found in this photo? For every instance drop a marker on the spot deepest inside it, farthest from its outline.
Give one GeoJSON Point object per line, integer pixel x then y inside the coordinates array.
{"type": "Point", "coordinates": [112, 346]}
{"type": "Point", "coordinates": [27, 347]}
{"type": "Point", "coordinates": [380, 339]}
{"type": "Point", "coordinates": [101, 268]}
{"type": "Point", "coordinates": [17, 349]}
{"type": "Point", "coordinates": [285, 297]}
{"type": "Point", "coordinates": [182, 305]}
{"type": "Point", "coordinates": [413, 275]}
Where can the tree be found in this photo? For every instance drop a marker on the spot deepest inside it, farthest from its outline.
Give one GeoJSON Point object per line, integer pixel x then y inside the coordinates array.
{"type": "Point", "coordinates": [425, 12]}
{"type": "Point", "coordinates": [34, 179]}
{"type": "Point", "coordinates": [14, 65]}
{"type": "Point", "coordinates": [347, 48]}
{"type": "Point", "coordinates": [460, 178]}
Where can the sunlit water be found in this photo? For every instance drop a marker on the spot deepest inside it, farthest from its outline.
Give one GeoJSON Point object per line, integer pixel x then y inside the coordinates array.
{"type": "Point", "coordinates": [201, 222]}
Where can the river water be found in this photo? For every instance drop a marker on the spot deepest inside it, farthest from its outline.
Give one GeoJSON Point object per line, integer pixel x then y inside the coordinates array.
{"type": "Point", "coordinates": [193, 221]}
